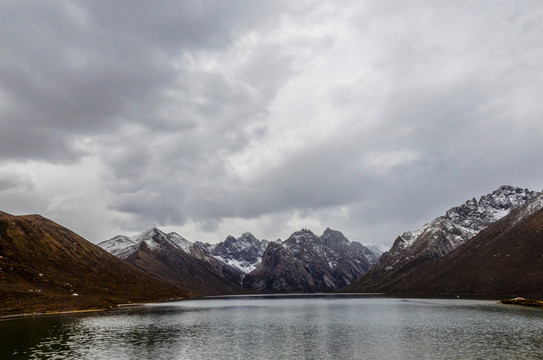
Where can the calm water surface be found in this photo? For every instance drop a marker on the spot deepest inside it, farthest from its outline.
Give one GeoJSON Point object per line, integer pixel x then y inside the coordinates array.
{"type": "Point", "coordinates": [284, 328]}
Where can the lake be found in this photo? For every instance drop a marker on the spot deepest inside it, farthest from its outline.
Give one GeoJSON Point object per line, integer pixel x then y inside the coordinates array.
{"type": "Point", "coordinates": [276, 327]}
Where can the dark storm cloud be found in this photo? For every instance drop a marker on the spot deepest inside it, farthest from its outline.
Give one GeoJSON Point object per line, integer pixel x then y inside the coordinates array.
{"type": "Point", "coordinates": [85, 68]}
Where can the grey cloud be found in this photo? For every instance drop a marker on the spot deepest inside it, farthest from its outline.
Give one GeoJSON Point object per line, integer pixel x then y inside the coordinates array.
{"type": "Point", "coordinates": [85, 68]}
{"type": "Point", "coordinates": [15, 181]}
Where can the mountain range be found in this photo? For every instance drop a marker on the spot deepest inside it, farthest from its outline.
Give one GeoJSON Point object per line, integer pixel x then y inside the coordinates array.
{"type": "Point", "coordinates": [309, 263]}
{"type": "Point", "coordinates": [302, 263]}
{"type": "Point", "coordinates": [486, 247]}
{"type": "Point", "coordinates": [173, 259]}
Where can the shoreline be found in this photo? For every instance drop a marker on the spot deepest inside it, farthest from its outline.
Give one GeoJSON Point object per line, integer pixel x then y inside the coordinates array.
{"type": "Point", "coordinates": [89, 310]}
{"type": "Point", "coordinates": [522, 302]}
{"type": "Point", "coordinates": [49, 313]}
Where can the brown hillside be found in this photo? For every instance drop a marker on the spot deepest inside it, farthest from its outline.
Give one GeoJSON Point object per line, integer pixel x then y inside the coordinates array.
{"type": "Point", "coordinates": [42, 266]}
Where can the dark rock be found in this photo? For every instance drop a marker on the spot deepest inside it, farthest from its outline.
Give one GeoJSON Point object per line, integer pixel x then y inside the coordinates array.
{"type": "Point", "coordinates": [308, 263]}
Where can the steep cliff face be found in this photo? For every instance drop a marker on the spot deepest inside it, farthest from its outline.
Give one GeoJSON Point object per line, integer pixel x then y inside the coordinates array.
{"type": "Point", "coordinates": [441, 235]}
{"type": "Point", "coordinates": [309, 263]}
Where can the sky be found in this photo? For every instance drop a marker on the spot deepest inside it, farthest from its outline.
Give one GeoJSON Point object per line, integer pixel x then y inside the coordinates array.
{"type": "Point", "coordinates": [214, 118]}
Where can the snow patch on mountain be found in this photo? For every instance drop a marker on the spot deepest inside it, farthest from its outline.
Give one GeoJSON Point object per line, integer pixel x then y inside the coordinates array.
{"type": "Point", "coordinates": [243, 266]}
{"type": "Point", "coordinates": [532, 207]}
{"type": "Point", "coordinates": [243, 253]}
{"type": "Point", "coordinates": [118, 244]}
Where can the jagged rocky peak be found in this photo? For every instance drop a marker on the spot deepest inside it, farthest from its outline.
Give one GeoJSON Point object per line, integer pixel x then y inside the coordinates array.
{"type": "Point", "coordinates": [248, 237]}
{"type": "Point", "coordinates": [491, 206]}
{"type": "Point", "coordinates": [245, 240]}
{"type": "Point", "coordinates": [333, 238]}
{"type": "Point", "coordinates": [243, 253]}
{"type": "Point", "coordinates": [149, 234]}
{"type": "Point", "coordinates": [301, 236]}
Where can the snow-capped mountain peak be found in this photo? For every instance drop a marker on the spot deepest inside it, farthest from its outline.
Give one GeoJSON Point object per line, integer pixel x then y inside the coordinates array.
{"type": "Point", "coordinates": [447, 232]}
{"type": "Point", "coordinates": [118, 245]}
{"type": "Point", "coordinates": [123, 246]}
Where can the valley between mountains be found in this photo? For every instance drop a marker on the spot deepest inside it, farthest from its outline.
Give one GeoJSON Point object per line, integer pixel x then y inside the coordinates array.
{"type": "Point", "coordinates": [491, 246]}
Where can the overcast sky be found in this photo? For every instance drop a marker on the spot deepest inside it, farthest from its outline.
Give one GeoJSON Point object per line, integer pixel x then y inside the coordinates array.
{"type": "Point", "coordinates": [212, 118]}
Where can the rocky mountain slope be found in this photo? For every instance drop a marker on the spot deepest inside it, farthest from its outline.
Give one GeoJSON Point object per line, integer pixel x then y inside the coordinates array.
{"type": "Point", "coordinates": [174, 259]}
{"type": "Point", "coordinates": [504, 260]}
{"type": "Point", "coordinates": [441, 235]}
{"type": "Point", "coordinates": [244, 253]}
{"type": "Point", "coordinates": [309, 263]}
{"type": "Point", "coordinates": [46, 267]}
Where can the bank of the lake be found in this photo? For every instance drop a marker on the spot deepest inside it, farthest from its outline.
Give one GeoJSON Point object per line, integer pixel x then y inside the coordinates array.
{"type": "Point", "coordinates": [523, 302]}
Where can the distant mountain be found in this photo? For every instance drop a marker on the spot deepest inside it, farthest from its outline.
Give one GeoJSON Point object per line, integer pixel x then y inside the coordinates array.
{"type": "Point", "coordinates": [440, 236]}
{"type": "Point", "coordinates": [123, 246]}
{"type": "Point", "coordinates": [504, 260]}
{"type": "Point", "coordinates": [243, 253]}
{"type": "Point", "coordinates": [309, 263]}
{"type": "Point", "coordinates": [176, 260]}
{"type": "Point", "coordinates": [375, 250]}
{"type": "Point", "coordinates": [46, 267]}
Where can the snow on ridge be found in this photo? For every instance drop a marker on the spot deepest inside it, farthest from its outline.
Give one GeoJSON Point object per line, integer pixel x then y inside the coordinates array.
{"type": "Point", "coordinates": [468, 219]}
{"type": "Point", "coordinates": [409, 237]}
{"type": "Point", "coordinates": [117, 243]}
{"type": "Point", "coordinates": [151, 244]}
{"type": "Point", "coordinates": [533, 206]}
{"type": "Point", "coordinates": [179, 241]}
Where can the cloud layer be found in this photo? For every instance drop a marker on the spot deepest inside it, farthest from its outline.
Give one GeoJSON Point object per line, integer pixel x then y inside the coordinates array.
{"type": "Point", "coordinates": [214, 118]}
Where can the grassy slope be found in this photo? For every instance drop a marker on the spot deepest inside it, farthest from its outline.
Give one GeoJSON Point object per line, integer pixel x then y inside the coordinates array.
{"type": "Point", "coordinates": [42, 265]}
